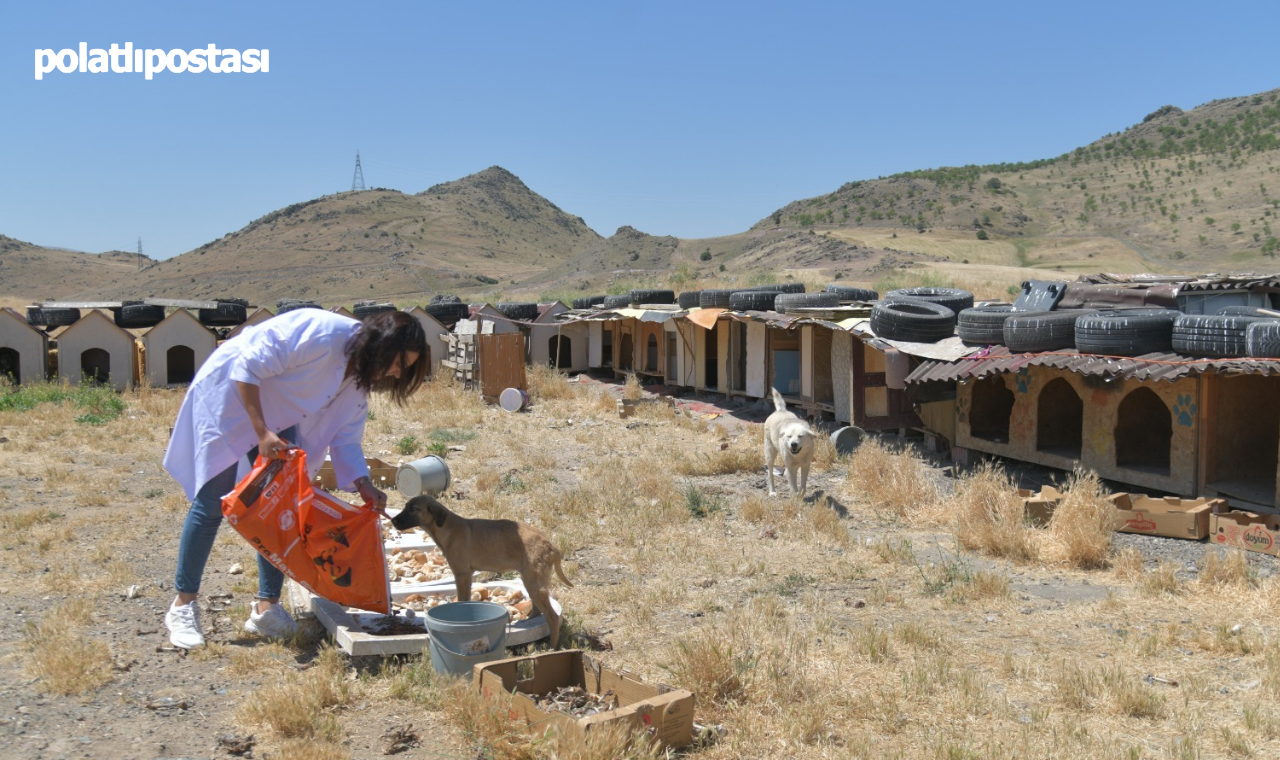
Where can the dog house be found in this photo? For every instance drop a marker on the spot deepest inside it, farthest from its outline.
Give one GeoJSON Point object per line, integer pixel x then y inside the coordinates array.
{"type": "Point", "coordinates": [95, 350]}
{"type": "Point", "coordinates": [563, 345]}
{"type": "Point", "coordinates": [24, 350]}
{"type": "Point", "coordinates": [175, 349]}
{"type": "Point", "coordinates": [678, 337]}
{"type": "Point", "coordinates": [501, 324]}
{"type": "Point", "coordinates": [260, 315]}
{"type": "Point", "coordinates": [1240, 419]}
{"type": "Point", "coordinates": [344, 311]}
{"type": "Point", "coordinates": [437, 337]}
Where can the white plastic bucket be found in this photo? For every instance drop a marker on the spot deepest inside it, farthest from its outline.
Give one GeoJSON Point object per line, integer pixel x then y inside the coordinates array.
{"type": "Point", "coordinates": [429, 475]}
{"type": "Point", "coordinates": [513, 399]}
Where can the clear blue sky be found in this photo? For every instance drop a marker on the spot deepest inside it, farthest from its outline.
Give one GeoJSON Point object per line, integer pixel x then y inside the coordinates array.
{"type": "Point", "coordinates": [684, 118]}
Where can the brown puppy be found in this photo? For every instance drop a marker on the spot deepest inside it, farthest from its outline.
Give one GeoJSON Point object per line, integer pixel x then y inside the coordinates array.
{"type": "Point", "coordinates": [498, 546]}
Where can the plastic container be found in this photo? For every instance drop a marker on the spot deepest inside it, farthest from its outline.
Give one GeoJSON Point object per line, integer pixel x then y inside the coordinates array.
{"type": "Point", "coordinates": [464, 634]}
{"type": "Point", "coordinates": [429, 475]}
{"type": "Point", "coordinates": [513, 399]}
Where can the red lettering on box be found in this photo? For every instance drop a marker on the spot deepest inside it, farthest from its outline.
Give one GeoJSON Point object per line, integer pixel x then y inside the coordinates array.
{"type": "Point", "coordinates": [1140, 523]}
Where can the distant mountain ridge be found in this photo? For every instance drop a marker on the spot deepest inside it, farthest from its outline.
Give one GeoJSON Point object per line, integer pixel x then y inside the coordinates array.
{"type": "Point", "coordinates": [1178, 191]}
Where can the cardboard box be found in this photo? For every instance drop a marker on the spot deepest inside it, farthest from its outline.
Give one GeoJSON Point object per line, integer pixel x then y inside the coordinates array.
{"type": "Point", "coordinates": [382, 474]}
{"type": "Point", "coordinates": [665, 712]}
{"type": "Point", "coordinates": [1168, 516]}
{"type": "Point", "coordinates": [1038, 507]}
{"type": "Point", "coordinates": [1244, 530]}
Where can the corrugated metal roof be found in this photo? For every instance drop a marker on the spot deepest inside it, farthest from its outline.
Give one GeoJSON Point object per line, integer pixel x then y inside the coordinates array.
{"type": "Point", "coordinates": [1187, 284]}
{"type": "Point", "coordinates": [1156, 366]}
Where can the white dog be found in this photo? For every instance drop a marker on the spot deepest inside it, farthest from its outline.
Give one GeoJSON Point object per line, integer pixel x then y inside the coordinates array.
{"type": "Point", "coordinates": [791, 436]}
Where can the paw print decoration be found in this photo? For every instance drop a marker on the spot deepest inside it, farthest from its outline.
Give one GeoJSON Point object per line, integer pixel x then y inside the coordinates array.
{"type": "Point", "coordinates": [1022, 379]}
{"type": "Point", "coordinates": [1184, 411]}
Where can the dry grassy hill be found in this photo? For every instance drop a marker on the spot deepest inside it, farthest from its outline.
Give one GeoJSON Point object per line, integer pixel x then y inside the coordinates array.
{"type": "Point", "coordinates": [1181, 191]}
{"type": "Point", "coordinates": [29, 271]}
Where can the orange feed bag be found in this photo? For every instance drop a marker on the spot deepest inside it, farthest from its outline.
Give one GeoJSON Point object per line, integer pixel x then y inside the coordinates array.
{"type": "Point", "coordinates": [330, 547]}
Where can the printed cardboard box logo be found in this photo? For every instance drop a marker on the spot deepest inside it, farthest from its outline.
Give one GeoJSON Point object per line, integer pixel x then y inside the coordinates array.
{"type": "Point", "coordinates": [1140, 524]}
{"type": "Point", "coordinates": [1259, 537]}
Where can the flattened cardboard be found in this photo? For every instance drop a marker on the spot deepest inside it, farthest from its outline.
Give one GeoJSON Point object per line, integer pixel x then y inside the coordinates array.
{"type": "Point", "coordinates": [667, 713]}
{"type": "Point", "coordinates": [1168, 516]}
{"type": "Point", "coordinates": [1245, 530]}
{"type": "Point", "coordinates": [1038, 508]}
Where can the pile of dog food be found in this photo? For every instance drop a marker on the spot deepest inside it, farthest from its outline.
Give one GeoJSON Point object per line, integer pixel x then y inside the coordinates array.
{"type": "Point", "coordinates": [416, 565]}
{"type": "Point", "coordinates": [518, 607]}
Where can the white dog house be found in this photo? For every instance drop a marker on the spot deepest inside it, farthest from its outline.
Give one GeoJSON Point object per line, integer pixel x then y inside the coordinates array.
{"type": "Point", "coordinates": [563, 345]}
{"type": "Point", "coordinates": [176, 348]}
{"type": "Point", "coordinates": [501, 324]}
{"type": "Point", "coordinates": [24, 350]}
{"type": "Point", "coordinates": [262, 314]}
{"type": "Point", "coordinates": [94, 349]}
{"type": "Point", "coordinates": [437, 336]}
{"type": "Point", "coordinates": [344, 311]}
{"type": "Point", "coordinates": [678, 339]}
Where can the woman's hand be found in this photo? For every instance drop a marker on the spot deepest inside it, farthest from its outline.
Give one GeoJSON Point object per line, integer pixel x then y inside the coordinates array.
{"type": "Point", "coordinates": [375, 499]}
{"type": "Point", "coordinates": [271, 446]}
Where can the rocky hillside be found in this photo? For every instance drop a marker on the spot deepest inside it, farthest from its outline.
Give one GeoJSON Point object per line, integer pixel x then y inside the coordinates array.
{"type": "Point", "coordinates": [29, 272]}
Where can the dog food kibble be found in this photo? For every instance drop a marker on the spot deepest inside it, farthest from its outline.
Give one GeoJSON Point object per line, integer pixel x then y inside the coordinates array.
{"type": "Point", "coordinates": [416, 566]}
{"type": "Point", "coordinates": [514, 600]}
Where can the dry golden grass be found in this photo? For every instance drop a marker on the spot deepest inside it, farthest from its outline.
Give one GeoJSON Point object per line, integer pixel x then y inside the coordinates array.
{"type": "Point", "coordinates": [301, 705]}
{"type": "Point", "coordinates": [894, 483]}
{"type": "Point", "coordinates": [1226, 568]}
{"type": "Point", "coordinates": [64, 659]}
{"type": "Point", "coordinates": [1082, 523]}
{"type": "Point", "coordinates": [725, 457]}
{"type": "Point", "coordinates": [989, 516]}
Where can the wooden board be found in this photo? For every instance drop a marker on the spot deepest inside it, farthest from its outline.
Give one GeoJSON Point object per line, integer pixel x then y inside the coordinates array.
{"type": "Point", "coordinates": [502, 363]}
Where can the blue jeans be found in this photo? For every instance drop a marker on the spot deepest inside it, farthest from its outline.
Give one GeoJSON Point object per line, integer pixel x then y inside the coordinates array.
{"type": "Point", "coordinates": [201, 528]}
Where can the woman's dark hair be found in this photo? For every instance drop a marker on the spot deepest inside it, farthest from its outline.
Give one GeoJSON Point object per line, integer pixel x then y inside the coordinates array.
{"type": "Point", "coordinates": [381, 339]}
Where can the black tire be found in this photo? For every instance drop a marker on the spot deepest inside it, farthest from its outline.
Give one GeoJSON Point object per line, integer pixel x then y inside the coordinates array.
{"type": "Point", "coordinates": [913, 321]}
{"type": "Point", "coordinates": [448, 314]}
{"type": "Point", "coordinates": [952, 298]}
{"type": "Point", "coordinates": [983, 325]}
{"type": "Point", "coordinates": [1033, 331]}
{"type": "Point", "coordinates": [787, 301]}
{"type": "Point", "coordinates": [1126, 332]}
{"type": "Point", "coordinates": [292, 304]}
{"type": "Point", "coordinates": [52, 317]}
{"type": "Point", "coordinates": [1248, 311]}
{"type": "Point", "coordinates": [653, 296]}
{"type": "Point", "coordinates": [691, 299]}
{"type": "Point", "coordinates": [523, 312]}
{"type": "Point", "coordinates": [753, 300]}
{"type": "Point", "coordinates": [1262, 339]}
{"type": "Point", "coordinates": [1212, 335]}
{"type": "Point", "coordinates": [853, 294]}
{"type": "Point", "coordinates": [588, 302]}
{"type": "Point", "coordinates": [137, 315]}
{"type": "Point", "coordinates": [616, 302]}
{"type": "Point", "coordinates": [444, 298]}
{"type": "Point", "coordinates": [237, 301]}
{"type": "Point", "coordinates": [715, 299]}
{"type": "Point", "coordinates": [783, 287]}
{"type": "Point", "coordinates": [364, 311]}
{"type": "Point", "coordinates": [228, 314]}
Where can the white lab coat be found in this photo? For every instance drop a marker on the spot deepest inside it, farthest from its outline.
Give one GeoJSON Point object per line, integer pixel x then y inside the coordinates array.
{"type": "Point", "coordinates": [298, 361]}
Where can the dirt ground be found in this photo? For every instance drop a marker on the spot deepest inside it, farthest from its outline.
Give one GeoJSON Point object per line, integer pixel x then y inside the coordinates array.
{"type": "Point", "coordinates": [841, 625]}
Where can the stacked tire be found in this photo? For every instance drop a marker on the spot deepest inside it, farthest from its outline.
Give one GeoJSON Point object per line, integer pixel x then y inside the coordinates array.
{"type": "Point", "coordinates": [913, 321]}
{"type": "Point", "coordinates": [785, 287]}
{"type": "Point", "coordinates": [690, 299]}
{"type": "Point", "coordinates": [1126, 332]}
{"type": "Point", "coordinates": [1035, 331]}
{"type": "Point", "coordinates": [590, 302]}
{"type": "Point", "coordinates": [786, 301]}
{"type": "Point", "coordinates": [365, 310]}
{"type": "Point", "coordinates": [51, 317]}
{"type": "Point", "coordinates": [753, 300]}
{"type": "Point", "coordinates": [285, 305]}
{"type": "Point", "coordinates": [448, 314]}
{"type": "Point", "coordinates": [616, 302]}
{"type": "Point", "coordinates": [136, 314]}
{"type": "Point", "coordinates": [715, 299]}
{"type": "Point", "coordinates": [845, 293]}
{"type": "Point", "coordinates": [1218, 336]}
{"type": "Point", "coordinates": [1262, 339]}
{"type": "Point", "coordinates": [230, 312]}
{"type": "Point", "coordinates": [983, 325]}
{"type": "Point", "coordinates": [521, 312]}
{"type": "Point", "coordinates": [652, 296]}
{"type": "Point", "coordinates": [954, 299]}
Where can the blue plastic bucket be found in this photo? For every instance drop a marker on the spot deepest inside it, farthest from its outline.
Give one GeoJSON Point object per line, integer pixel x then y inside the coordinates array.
{"type": "Point", "coordinates": [464, 634]}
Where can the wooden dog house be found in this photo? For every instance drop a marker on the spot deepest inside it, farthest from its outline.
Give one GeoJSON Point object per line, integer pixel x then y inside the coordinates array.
{"type": "Point", "coordinates": [24, 350]}
{"type": "Point", "coordinates": [175, 349]}
{"type": "Point", "coordinates": [94, 349]}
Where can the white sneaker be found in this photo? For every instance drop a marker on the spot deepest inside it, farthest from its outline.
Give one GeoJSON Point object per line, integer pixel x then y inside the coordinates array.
{"type": "Point", "coordinates": [275, 623]}
{"type": "Point", "coordinates": [183, 622]}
